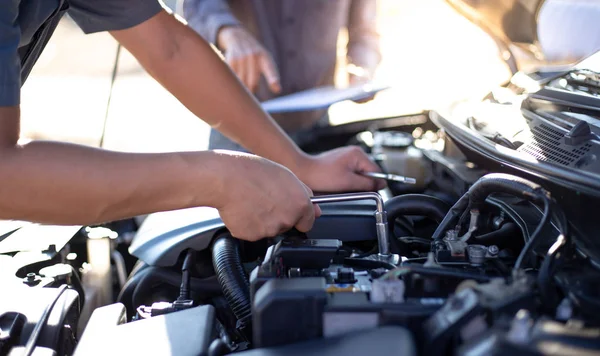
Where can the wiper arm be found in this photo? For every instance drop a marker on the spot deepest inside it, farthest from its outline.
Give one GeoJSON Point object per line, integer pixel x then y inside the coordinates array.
{"type": "Point", "coordinates": [583, 79]}
{"type": "Point", "coordinates": [496, 138]}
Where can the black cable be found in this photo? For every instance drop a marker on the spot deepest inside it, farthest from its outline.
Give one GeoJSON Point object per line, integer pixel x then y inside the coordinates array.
{"type": "Point", "coordinates": [544, 277]}
{"type": "Point", "coordinates": [554, 257]}
{"type": "Point", "coordinates": [112, 85]}
{"type": "Point", "coordinates": [188, 264]}
{"type": "Point", "coordinates": [141, 282]}
{"type": "Point", "coordinates": [37, 330]}
{"type": "Point", "coordinates": [530, 245]}
{"type": "Point", "coordinates": [154, 275]}
{"type": "Point", "coordinates": [497, 138]}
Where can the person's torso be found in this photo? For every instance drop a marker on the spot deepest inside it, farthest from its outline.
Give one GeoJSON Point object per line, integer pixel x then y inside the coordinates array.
{"type": "Point", "coordinates": [302, 36]}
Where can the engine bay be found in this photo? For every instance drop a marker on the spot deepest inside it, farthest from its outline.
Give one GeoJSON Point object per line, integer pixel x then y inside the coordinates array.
{"type": "Point", "coordinates": [482, 256]}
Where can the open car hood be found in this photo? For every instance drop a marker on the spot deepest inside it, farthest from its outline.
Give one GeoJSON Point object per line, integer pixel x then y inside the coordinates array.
{"type": "Point", "coordinates": [512, 23]}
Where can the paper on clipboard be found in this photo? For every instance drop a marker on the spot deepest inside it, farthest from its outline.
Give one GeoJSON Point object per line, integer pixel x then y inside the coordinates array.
{"type": "Point", "coordinates": [319, 98]}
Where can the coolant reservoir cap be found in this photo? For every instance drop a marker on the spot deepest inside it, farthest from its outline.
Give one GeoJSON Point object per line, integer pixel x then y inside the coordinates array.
{"type": "Point", "coordinates": [393, 139]}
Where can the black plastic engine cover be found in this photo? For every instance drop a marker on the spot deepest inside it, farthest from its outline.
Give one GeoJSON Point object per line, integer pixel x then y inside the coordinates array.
{"type": "Point", "coordinates": [164, 236]}
{"type": "Point", "coordinates": [23, 307]}
{"type": "Point", "coordinates": [185, 332]}
{"type": "Point", "coordinates": [384, 341]}
{"type": "Point", "coordinates": [286, 311]}
{"type": "Point", "coordinates": [306, 253]}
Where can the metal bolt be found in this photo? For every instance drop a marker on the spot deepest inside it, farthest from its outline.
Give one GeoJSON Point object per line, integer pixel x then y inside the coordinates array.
{"type": "Point", "coordinates": [31, 279]}
{"type": "Point", "coordinates": [493, 250]}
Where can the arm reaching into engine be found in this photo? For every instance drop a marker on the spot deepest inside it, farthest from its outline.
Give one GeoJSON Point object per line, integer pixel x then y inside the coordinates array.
{"type": "Point", "coordinates": [59, 183]}
{"type": "Point", "coordinates": [191, 70]}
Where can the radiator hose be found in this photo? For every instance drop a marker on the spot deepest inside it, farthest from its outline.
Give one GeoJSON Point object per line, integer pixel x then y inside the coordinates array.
{"type": "Point", "coordinates": [486, 185]}
{"type": "Point", "coordinates": [412, 205]}
{"type": "Point", "coordinates": [232, 278]}
{"type": "Point", "coordinates": [416, 205]}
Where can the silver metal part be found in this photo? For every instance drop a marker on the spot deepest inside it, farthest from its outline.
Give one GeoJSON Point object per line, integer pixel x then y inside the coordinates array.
{"type": "Point", "coordinates": [493, 251]}
{"type": "Point", "coordinates": [520, 328]}
{"type": "Point", "coordinates": [382, 232]}
{"type": "Point", "coordinates": [457, 248]}
{"type": "Point", "coordinates": [380, 215]}
{"type": "Point", "coordinates": [389, 258]}
{"type": "Point", "coordinates": [477, 254]}
{"type": "Point", "coordinates": [387, 291]}
{"type": "Point", "coordinates": [390, 177]}
{"type": "Point", "coordinates": [472, 225]}
{"type": "Point", "coordinates": [294, 272]}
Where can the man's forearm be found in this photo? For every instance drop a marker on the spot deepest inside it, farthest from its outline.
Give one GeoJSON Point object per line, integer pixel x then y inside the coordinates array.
{"type": "Point", "coordinates": [186, 65]}
{"type": "Point", "coordinates": [59, 183]}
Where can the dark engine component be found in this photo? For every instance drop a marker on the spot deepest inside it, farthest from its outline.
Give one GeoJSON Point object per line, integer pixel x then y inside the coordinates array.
{"type": "Point", "coordinates": [416, 204]}
{"type": "Point", "coordinates": [272, 313]}
{"type": "Point", "coordinates": [491, 183]}
{"type": "Point", "coordinates": [310, 289]}
{"type": "Point", "coordinates": [46, 321]}
{"type": "Point", "coordinates": [525, 336]}
{"type": "Point", "coordinates": [306, 254]}
{"type": "Point", "coordinates": [232, 278]}
{"type": "Point", "coordinates": [186, 332]}
{"type": "Point", "coordinates": [375, 342]}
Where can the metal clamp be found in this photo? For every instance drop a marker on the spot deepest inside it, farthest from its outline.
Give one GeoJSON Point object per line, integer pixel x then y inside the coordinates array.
{"type": "Point", "coordinates": [380, 216]}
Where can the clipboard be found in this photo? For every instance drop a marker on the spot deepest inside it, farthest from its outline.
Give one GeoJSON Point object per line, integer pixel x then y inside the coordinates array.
{"type": "Point", "coordinates": [319, 98]}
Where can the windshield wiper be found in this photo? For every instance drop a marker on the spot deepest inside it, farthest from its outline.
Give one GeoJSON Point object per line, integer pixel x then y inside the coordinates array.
{"type": "Point", "coordinates": [496, 138]}
{"type": "Point", "coordinates": [584, 80]}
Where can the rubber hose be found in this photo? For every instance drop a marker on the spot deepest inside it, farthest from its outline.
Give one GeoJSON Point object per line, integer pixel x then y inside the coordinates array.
{"type": "Point", "coordinates": [232, 278]}
{"type": "Point", "coordinates": [533, 240]}
{"type": "Point", "coordinates": [142, 281]}
{"type": "Point", "coordinates": [505, 183]}
{"type": "Point", "coordinates": [496, 237]}
{"type": "Point", "coordinates": [475, 197]}
{"type": "Point", "coordinates": [416, 205]}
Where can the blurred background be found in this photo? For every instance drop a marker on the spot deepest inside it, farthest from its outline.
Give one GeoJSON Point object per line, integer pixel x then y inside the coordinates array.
{"type": "Point", "coordinates": [431, 55]}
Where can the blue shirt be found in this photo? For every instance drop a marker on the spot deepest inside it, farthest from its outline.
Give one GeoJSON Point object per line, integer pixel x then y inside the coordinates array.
{"type": "Point", "coordinates": [26, 27]}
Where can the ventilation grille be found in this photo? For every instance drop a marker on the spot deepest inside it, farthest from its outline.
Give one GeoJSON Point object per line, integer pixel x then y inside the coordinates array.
{"type": "Point", "coordinates": [545, 145]}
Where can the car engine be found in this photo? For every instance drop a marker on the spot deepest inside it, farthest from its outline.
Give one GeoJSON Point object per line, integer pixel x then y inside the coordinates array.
{"type": "Point", "coordinates": [484, 255]}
